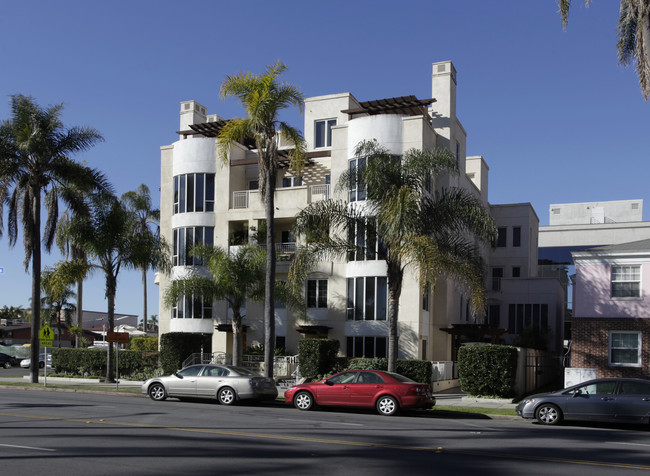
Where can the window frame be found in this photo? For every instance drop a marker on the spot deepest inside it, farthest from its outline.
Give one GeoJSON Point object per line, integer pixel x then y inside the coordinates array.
{"type": "Point", "coordinates": [318, 302]}
{"type": "Point", "coordinates": [611, 349]}
{"type": "Point", "coordinates": [188, 197]}
{"type": "Point", "coordinates": [502, 237]}
{"type": "Point", "coordinates": [371, 308]}
{"type": "Point", "coordinates": [323, 139]}
{"type": "Point", "coordinates": [636, 269]}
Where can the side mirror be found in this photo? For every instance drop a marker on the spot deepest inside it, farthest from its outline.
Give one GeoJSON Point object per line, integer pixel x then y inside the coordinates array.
{"type": "Point", "coordinates": [327, 382]}
{"type": "Point", "coordinates": [176, 374]}
{"type": "Point", "coordinates": [577, 393]}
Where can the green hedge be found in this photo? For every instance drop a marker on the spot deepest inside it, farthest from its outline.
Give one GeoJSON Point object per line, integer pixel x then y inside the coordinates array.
{"type": "Point", "coordinates": [175, 347]}
{"type": "Point", "coordinates": [147, 344]}
{"type": "Point", "coordinates": [418, 370]}
{"type": "Point", "coordinates": [486, 369]}
{"type": "Point", "coordinates": [317, 356]}
{"type": "Point", "coordinates": [92, 362]}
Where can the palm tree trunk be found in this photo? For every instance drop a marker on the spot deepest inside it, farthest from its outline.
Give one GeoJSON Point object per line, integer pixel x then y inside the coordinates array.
{"type": "Point", "coordinates": [110, 357]}
{"type": "Point", "coordinates": [80, 312]}
{"type": "Point", "coordinates": [395, 275]}
{"type": "Point", "coordinates": [144, 311]}
{"type": "Point", "coordinates": [36, 284]}
{"type": "Point", "coordinates": [269, 297]}
{"type": "Point", "coordinates": [236, 337]}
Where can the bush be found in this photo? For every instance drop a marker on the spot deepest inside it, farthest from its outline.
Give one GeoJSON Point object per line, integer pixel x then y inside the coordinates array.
{"type": "Point", "coordinates": [317, 356]}
{"type": "Point", "coordinates": [486, 369]}
{"type": "Point", "coordinates": [92, 362]}
{"type": "Point", "coordinates": [418, 370]}
{"type": "Point", "coordinates": [175, 347]}
{"type": "Point", "coordinates": [148, 344]}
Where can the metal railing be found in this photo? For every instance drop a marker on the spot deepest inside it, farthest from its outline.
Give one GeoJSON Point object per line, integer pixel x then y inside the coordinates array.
{"type": "Point", "coordinates": [319, 192]}
{"type": "Point", "coordinates": [240, 199]}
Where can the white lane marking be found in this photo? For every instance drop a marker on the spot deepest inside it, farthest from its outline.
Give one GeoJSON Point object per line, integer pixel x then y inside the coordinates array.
{"type": "Point", "coordinates": [28, 447]}
{"type": "Point", "coordinates": [630, 444]}
{"type": "Point", "coordinates": [323, 422]}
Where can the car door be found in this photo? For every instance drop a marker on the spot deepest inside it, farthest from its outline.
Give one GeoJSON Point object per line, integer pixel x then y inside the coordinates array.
{"type": "Point", "coordinates": [592, 401]}
{"type": "Point", "coordinates": [366, 387]}
{"type": "Point", "coordinates": [210, 379]}
{"type": "Point", "coordinates": [183, 382]}
{"type": "Point", "coordinates": [336, 390]}
{"type": "Point", "coordinates": [633, 401]}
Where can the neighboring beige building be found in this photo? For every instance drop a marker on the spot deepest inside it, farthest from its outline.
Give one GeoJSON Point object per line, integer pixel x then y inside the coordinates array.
{"type": "Point", "coordinates": [203, 200]}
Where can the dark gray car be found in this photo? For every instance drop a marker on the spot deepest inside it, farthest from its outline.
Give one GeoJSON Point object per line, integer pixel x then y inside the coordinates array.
{"type": "Point", "coordinates": [623, 400]}
{"type": "Point", "coordinates": [225, 383]}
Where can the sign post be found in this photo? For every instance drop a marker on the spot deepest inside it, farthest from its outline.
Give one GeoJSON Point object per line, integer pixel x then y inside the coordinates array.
{"type": "Point", "coordinates": [119, 338]}
{"type": "Point", "coordinates": [46, 335]}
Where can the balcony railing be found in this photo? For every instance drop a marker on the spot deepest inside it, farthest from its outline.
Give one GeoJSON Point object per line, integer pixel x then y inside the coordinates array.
{"type": "Point", "coordinates": [320, 192]}
{"type": "Point", "coordinates": [240, 199]}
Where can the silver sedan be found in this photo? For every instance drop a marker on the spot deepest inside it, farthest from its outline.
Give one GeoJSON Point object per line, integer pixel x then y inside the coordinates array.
{"type": "Point", "coordinates": [226, 383]}
{"type": "Point", "coordinates": [624, 400]}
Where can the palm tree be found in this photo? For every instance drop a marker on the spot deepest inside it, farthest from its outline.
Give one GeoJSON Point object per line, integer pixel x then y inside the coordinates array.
{"type": "Point", "coordinates": [34, 160]}
{"type": "Point", "coordinates": [235, 278]}
{"type": "Point", "coordinates": [633, 36]}
{"type": "Point", "coordinates": [433, 233]}
{"type": "Point", "coordinates": [263, 98]}
{"type": "Point", "coordinates": [138, 203]}
{"type": "Point", "coordinates": [57, 294]}
{"type": "Point", "coordinates": [106, 236]}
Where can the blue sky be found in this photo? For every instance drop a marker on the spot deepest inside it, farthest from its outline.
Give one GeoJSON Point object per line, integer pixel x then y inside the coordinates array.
{"type": "Point", "coordinates": [551, 111]}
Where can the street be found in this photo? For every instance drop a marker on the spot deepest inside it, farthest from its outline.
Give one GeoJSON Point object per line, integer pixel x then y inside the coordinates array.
{"type": "Point", "coordinates": [59, 433]}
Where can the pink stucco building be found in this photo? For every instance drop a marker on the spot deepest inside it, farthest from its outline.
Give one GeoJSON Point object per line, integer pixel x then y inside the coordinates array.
{"type": "Point", "coordinates": [611, 310]}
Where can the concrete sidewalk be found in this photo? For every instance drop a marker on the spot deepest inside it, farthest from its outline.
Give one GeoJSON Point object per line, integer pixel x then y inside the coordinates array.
{"type": "Point", "coordinates": [454, 397]}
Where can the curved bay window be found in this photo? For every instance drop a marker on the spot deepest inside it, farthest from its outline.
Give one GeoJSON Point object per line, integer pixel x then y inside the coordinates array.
{"type": "Point", "coordinates": [192, 307]}
{"type": "Point", "coordinates": [185, 238]}
{"type": "Point", "coordinates": [193, 193]}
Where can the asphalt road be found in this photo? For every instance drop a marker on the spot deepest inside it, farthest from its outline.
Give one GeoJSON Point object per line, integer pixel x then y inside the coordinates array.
{"type": "Point", "coordinates": [58, 433]}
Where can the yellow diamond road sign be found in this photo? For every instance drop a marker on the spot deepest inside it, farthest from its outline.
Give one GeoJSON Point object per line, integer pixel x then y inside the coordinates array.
{"type": "Point", "coordinates": [46, 333]}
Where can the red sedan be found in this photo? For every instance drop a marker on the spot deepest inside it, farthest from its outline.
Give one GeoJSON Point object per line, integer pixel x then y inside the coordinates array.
{"type": "Point", "coordinates": [386, 391]}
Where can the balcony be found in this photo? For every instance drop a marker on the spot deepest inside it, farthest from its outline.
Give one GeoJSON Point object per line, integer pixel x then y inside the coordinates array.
{"type": "Point", "coordinates": [290, 197]}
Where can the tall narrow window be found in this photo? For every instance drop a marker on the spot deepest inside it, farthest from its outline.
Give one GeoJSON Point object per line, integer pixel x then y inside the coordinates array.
{"type": "Point", "coordinates": [367, 298]}
{"type": "Point", "coordinates": [323, 133]}
{"type": "Point", "coordinates": [317, 293]}
{"type": "Point", "coordinates": [502, 237]}
{"type": "Point", "coordinates": [516, 236]}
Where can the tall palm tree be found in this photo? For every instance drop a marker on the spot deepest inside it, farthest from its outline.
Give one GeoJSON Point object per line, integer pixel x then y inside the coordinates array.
{"type": "Point", "coordinates": [235, 278]}
{"type": "Point", "coordinates": [264, 97]}
{"type": "Point", "coordinates": [138, 203]}
{"type": "Point", "coordinates": [433, 233]}
{"type": "Point", "coordinates": [57, 295]}
{"type": "Point", "coordinates": [34, 161]}
{"type": "Point", "coordinates": [106, 236]}
{"type": "Point", "coordinates": [633, 36]}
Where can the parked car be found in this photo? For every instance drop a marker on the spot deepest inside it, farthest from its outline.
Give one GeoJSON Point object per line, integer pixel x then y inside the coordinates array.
{"type": "Point", "coordinates": [624, 400]}
{"type": "Point", "coordinates": [226, 383]}
{"type": "Point", "coordinates": [7, 360]}
{"type": "Point", "coordinates": [26, 363]}
{"type": "Point", "coordinates": [386, 391]}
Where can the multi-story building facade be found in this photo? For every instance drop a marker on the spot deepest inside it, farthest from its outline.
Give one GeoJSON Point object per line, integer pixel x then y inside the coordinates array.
{"type": "Point", "coordinates": [206, 201]}
{"type": "Point", "coordinates": [611, 320]}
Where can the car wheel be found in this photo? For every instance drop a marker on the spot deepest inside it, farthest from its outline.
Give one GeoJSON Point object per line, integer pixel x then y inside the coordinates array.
{"type": "Point", "coordinates": [303, 401]}
{"type": "Point", "coordinates": [387, 405]}
{"type": "Point", "coordinates": [548, 414]}
{"type": "Point", "coordinates": [157, 392]}
{"type": "Point", "coordinates": [7, 365]}
{"type": "Point", "coordinates": [226, 396]}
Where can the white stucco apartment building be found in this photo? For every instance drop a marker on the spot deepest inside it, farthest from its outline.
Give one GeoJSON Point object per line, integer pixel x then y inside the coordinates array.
{"type": "Point", "coordinates": [203, 200]}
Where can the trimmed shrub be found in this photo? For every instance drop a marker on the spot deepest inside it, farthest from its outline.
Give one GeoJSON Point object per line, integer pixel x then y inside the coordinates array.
{"type": "Point", "coordinates": [418, 370]}
{"type": "Point", "coordinates": [317, 356]}
{"type": "Point", "coordinates": [486, 369]}
{"type": "Point", "coordinates": [175, 347]}
{"type": "Point", "coordinates": [148, 344]}
{"type": "Point", "coordinates": [92, 362]}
